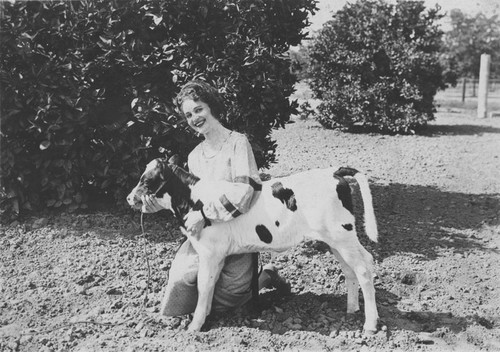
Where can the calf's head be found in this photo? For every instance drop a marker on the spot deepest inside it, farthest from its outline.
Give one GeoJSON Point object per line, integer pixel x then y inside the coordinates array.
{"type": "Point", "coordinates": [154, 181]}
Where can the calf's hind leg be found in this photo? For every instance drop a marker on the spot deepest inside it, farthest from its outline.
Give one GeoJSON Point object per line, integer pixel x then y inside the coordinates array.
{"type": "Point", "coordinates": [354, 258]}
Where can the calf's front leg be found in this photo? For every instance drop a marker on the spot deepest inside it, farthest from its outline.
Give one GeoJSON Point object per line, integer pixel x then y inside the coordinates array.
{"type": "Point", "coordinates": [208, 274]}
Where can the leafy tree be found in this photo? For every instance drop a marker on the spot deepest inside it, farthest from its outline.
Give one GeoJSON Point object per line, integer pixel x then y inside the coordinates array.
{"type": "Point", "coordinates": [87, 87]}
{"type": "Point", "coordinates": [468, 38]}
{"type": "Point", "coordinates": [377, 65]}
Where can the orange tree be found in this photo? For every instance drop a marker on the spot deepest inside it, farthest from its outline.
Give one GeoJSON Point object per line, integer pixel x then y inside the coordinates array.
{"type": "Point", "coordinates": [88, 87]}
{"type": "Point", "coordinates": [377, 65]}
{"type": "Point", "coordinates": [471, 36]}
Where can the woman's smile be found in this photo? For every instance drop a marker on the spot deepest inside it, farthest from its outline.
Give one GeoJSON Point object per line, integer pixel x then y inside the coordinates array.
{"type": "Point", "coordinates": [199, 122]}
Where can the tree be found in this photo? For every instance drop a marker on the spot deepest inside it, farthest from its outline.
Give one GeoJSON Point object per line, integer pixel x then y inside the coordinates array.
{"type": "Point", "coordinates": [468, 38]}
{"type": "Point", "coordinates": [377, 65]}
{"type": "Point", "coordinates": [87, 87]}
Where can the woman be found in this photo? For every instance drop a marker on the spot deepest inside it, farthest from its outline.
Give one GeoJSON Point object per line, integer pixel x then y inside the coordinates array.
{"type": "Point", "coordinates": [224, 155]}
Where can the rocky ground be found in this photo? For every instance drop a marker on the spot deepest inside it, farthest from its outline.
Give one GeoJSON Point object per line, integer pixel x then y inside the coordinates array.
{"type": "Point", "coordinates": [92, 282]}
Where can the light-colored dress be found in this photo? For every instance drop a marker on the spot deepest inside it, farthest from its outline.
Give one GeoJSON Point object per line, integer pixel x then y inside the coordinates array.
{"type": "Point", "coordinates": [234, 163]}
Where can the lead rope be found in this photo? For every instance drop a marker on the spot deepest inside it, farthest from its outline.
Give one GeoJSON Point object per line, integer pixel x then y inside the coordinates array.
{"type": "Point", "coordinates": [141, 309]}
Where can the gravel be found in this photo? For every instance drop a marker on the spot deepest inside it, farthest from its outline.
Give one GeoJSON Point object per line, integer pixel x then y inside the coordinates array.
{"type": "Point", "coordinates": [82, 282]}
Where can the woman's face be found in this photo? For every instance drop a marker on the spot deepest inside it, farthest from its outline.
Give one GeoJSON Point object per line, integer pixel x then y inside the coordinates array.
{"type": "Point", "coordinates": [198, 116]}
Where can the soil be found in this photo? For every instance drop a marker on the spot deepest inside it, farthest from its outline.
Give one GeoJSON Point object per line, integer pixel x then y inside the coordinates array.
{"type": "Point", "coordinates": [92, 282]}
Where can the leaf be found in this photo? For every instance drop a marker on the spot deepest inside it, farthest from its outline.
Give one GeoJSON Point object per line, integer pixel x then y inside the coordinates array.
{"type": "Point", "coordinates": [133, 102]}
{"type": "Point", "coordinates": [105, 40]}
{"type": "Point", "coordinates": [44, 145]}
{"type": "Point", "coordinates": [157, 19]}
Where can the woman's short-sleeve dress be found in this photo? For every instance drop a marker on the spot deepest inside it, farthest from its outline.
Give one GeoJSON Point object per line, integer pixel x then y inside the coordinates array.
{"type": "Point", "coordinates": [235, 164]}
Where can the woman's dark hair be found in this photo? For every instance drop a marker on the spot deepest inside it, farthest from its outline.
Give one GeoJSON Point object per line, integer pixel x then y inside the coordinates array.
{"type": "Point", "coordinates": [199, 90]}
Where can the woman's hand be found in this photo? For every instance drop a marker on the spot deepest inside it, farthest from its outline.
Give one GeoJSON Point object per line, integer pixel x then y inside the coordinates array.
{"type": "Point", "coordinates": [150, 204]}
{"type": "Point", "coordinates": [194, 222]}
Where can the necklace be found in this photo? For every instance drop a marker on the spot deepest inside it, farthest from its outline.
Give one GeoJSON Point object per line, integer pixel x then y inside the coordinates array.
{"type": "Point", "coordinates": [214, 152]}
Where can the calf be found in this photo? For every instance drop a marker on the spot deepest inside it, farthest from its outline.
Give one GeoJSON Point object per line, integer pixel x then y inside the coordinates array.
{"type": "Point", "coordinates": [314, 204]}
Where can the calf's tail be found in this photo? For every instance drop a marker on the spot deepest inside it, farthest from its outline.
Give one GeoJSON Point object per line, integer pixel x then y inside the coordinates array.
{"type": "Point", "coordinates": [366, 195]}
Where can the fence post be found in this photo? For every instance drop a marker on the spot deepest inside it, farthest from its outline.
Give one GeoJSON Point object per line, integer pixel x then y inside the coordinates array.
{"type": "Point", "coordinates": [464, 82]}
{"type": "Point", "coordinates": [482, 93]}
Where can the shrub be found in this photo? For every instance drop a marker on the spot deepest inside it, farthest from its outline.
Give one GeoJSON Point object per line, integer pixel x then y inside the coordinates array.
{"type": "Point", "coordinates": [377, 66]}
{"type": "Point", "coordinates": [88, 87]}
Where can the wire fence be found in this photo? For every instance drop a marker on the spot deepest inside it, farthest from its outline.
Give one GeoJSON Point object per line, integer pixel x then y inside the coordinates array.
{"type": "Point", "coordinates": [468, 87]}
{"type": "Point", "coordinates": [464, 94]}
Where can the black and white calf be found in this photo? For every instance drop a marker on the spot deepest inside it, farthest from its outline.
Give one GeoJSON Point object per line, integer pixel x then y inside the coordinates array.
{"type": "Point", "coordinates": [315, 204]}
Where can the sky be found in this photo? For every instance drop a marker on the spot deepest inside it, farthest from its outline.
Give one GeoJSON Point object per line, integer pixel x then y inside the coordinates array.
{"type": "Point", "coordinates": [472, 7]}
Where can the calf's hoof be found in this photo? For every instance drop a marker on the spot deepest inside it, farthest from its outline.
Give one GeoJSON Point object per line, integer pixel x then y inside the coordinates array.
{"type": "Point", "coordinates": [193, 327]}
{"type": "Point", "coordinates": [370, 329]}
{"type": "Point", "coordinates": [369, 332]}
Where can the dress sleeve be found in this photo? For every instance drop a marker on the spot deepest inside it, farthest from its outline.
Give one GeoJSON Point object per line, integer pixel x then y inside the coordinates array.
{"type": "Point", "coordinates": [225, 200]}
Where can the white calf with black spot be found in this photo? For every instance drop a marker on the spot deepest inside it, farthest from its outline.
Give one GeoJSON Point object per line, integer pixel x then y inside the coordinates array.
{"type": "Point", "coordinates": [313, 205]}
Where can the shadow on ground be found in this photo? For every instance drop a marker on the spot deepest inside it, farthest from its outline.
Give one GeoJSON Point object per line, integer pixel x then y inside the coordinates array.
{"type": "Point", "coordinates": [424, 220]}
{"type": "Point", "coordinates": [434, 130]}
{"type": "Point", "coordinates": [329, 310]}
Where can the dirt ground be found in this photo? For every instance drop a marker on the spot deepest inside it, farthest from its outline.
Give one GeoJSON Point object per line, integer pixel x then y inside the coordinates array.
{"type": "Point", "coordinates": [92, 282]}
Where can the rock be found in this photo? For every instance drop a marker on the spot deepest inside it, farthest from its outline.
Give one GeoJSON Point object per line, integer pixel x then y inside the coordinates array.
{"type": "Point", "coordinates": [113, 291]}
{"type": "Point", "coordinates": [425, 338]}
{"type": "Point", "coordinates": [82, 290]}
{"type": "Point", "coordinates": [288, 321]}
{"type": "Point", "coordinates": [39, 223]}
{"type": "Point", "coordinates": [13, 345]}
{"type": "Point", "coordinates": [139, 327]}
{"type": "Point", "coordinates": [117, 304]}
{"type": "Point", "coordinates": [145, 332]}
{"type": "Point", "coordinates": [143, 284]}
{"type": "Point", "coordinates": [174, 323]}
{"type": "Point", "coordinates": [359, 340]}
{"type": "Point", "coordinates": [43, 340]}
{"type": "Point", "coordinates": [25, 339]}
